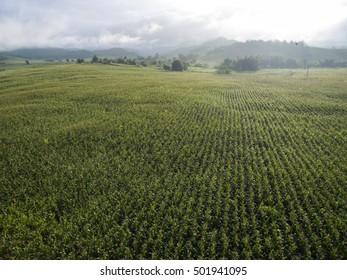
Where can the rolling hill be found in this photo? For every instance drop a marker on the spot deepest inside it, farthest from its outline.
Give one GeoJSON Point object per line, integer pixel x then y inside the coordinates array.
{"type": "Point", "coordinates": [202, 49]}
{"type": "Point", "coordinates": [60, 53]}
{"type": "Point", "coordinates": [214, 52]}
{"type": "Point", "coordinates": [211, 52]}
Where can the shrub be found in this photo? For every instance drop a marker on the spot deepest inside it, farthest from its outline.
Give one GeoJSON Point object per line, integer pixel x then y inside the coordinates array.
{"type": "Point", "coordinates": [178, 65]}
{"type": "Point", "coordinates": [167, 67]}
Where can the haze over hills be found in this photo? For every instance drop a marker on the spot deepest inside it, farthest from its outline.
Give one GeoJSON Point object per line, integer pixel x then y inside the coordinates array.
{"type": "Point", "coordinates": [65, 53]}
{"type": "Point", "coordinates": [160, 26]}
{"type": "Point", "coordinates": [61, 53]}
{"type": "Point", "coordinates": [212, 52]}
{"type": "Point", "coordinates": [201, 49]}
{"type": "Point", "coordinates": [286, 50]}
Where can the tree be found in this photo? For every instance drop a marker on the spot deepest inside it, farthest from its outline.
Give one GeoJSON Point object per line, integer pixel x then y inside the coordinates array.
{"type": "Point", "coordinates": [167, 67]}
{"type": "Point", "coordinates": [80, 60]}
{"type": "Point", "coordinates": [250, 63]}
{"type": "Point", "coordinates": [105, 60]}
{"type": "Point", "coordinates": [225, 67]}
{"type": "Point", "coordinates": [178, 65]}
{"type": "Point", "coordinates": [27, 62]}
{"type": "Point", "coordinates": [327, 63]}
{"type": "Point", "coordinates": [95, 59]}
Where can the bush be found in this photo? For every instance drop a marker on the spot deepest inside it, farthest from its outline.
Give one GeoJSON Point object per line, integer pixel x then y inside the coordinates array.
{"type": "Point", "coordinates": [250, 63]}
{"type": "Point", "coordinates": [225, 67]}
{"type": "Point", "coordinates": [94, 59]}
{"type": "Point", "coordinates": [167, 67]}
{"type": "Point", "coordinates": [178, 65]}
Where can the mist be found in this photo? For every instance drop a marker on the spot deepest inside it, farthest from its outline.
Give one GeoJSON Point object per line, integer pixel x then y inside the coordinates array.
{"type": "Point", "coordinates": [153, 24]}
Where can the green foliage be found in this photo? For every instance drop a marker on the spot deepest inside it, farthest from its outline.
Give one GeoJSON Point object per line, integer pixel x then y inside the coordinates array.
{"type": "Point", "coordinates": [179, 65]}
{"type": "Point", "coordinates": [284, 50]}
{"type": "Point", "coordinates": [59, 53]}
{"type": "Point", "coordinates": [278, 62]}
{"type": "Point", "coordinates": [95, 59]}
{"type": "Point", "coordinates": [225, 67]}
{"type": "Point", "coordinates": [331, 63]}
{"type": "Point", "coordinates": [271, 62]}
{"type": "Point", "coordinates": [241, 64]}
{"type": "Point", "coordinates": [104, 162]}
{"type": "Point", "coordinates": [106, 60]}
{"type": "Point", "coordinates": [250, 63]}
{"type": "Point", "coordinates": [3, 57]}
{"type": "Point", "coordinates": [167, 67]}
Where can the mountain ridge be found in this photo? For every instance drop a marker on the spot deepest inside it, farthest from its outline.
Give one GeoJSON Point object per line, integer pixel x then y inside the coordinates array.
{"type": "Point", "coordinates": [300, 51]}
{"type": "Point", "coordinates": [212, 52]}
{"type": "Point", "coordinates": [62, 53]}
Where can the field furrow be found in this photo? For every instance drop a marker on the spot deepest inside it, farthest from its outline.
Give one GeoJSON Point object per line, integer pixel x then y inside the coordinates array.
{"type": "Point", "coordinates": [104, 162]}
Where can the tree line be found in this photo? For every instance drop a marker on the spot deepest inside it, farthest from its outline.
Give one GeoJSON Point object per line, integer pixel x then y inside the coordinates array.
{"type": "Point", "coordinates": [247, 63]}
{"type": "Point", "coordinates": [250, 63]}
{"type": "Point", "coordinates": [254, 63]}
{"type": "Point", "coordinates": [175, 64]}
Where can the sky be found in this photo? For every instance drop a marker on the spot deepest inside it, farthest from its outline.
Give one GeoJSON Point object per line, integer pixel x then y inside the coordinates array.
{"type": "Point", "coordinates": [100, 24]}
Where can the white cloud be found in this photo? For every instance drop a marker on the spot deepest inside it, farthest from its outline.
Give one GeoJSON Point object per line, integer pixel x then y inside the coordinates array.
{"type": "Point", "coordinates": [108, 39]}
{"type": "Point", "coordinates": [148, 29]}
{"type": "Point", "coordinates": [106, 23]}
{"type": "Point", "coordinates": [30, 32]}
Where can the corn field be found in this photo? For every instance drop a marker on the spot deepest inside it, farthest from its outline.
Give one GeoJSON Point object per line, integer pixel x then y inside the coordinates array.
{"type": "Point", "coordinates": [105, 162]}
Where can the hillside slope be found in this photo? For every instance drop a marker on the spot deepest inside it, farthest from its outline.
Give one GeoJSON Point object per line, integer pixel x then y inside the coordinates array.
{"type": "Point", "coordinates": [215, 51]}
{"type": "Point", "coordinates": [288, 50]}
{"type": "Point", "coordinates": [60, 53]}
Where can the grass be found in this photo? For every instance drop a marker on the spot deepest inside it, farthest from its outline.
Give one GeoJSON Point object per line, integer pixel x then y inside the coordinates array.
{"type": "Point", "coordinates": [115, 162]}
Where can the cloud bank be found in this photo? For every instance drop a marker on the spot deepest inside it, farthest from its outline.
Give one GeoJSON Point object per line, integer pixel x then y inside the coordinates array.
{"type": "Point", "coordinates": [148, 23]}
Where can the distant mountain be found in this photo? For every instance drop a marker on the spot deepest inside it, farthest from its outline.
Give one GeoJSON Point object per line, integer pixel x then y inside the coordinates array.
{"type": "Point", "coordinates": [115, 52]}
{"type": "Point", "coordinates": [212, 45]}
{"type": "Point", "coordinates": [287, 50]}
{"type": "Point", "coordinates": [215, 51]}
{"type": "Point", "coordinates": [59, 53]}
{"type": "Point", "coordinates": [202, 49]}
{"type": "Point", "coordinates": [211, 52]}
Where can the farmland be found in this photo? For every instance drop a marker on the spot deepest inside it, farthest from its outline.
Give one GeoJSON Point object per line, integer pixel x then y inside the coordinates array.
{"type": "Point", "coordinates": [116, 162]}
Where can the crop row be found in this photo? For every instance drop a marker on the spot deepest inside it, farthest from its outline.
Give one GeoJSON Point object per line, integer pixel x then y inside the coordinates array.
{"type": "Point", "coordinates": [180, 166]}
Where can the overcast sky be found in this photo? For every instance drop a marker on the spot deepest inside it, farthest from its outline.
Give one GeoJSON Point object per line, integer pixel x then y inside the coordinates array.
{"type": "Point", "coordinates": [96, 24]}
